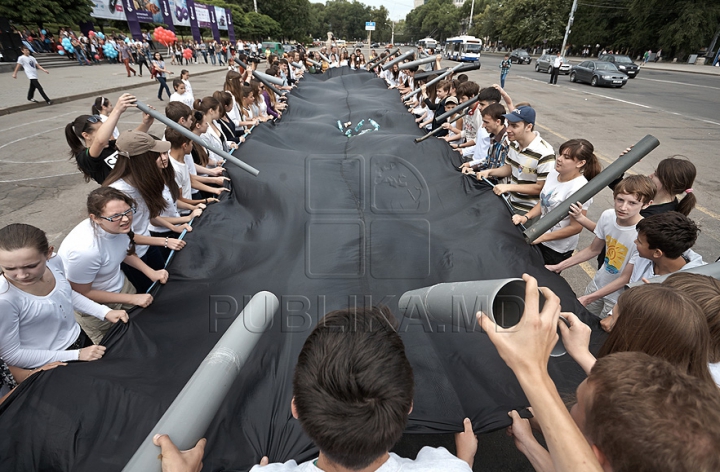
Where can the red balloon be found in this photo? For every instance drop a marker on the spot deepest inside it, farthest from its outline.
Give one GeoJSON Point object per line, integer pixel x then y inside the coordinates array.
{"type": "Point", "coordinates": [60, 48]}
{"type": "Point", "coordinates": [91, 33]}
{"type": "Point", "coordinates": [97, 56]}
{"type": "Point", "coordinates": [187, 54]}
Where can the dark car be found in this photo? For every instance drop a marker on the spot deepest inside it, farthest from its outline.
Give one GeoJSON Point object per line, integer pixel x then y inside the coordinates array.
{"type": "Point", "coordinates": [544, 64]}
{"type": "Point", "coordinates": [520, 56]}
{"type": "Point", "coordinates": [598, 73]}
{"type": "Point", "coordinates": [623, 63]}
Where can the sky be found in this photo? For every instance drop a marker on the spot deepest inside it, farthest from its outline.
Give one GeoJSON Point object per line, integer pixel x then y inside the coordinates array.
{"type": "Point", "coordinates": [398, 8]}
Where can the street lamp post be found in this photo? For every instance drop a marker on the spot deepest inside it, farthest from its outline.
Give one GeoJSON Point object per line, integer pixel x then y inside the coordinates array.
{"type": "Point", "coordinates": [570, 22]}
{"type": "Point", "coordinates": [472, 9]}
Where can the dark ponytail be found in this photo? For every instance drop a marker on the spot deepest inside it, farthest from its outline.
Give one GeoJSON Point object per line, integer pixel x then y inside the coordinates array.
{"type": "Point", "coordinates": [677, 176]}
{"type": "Point", "coordinates": [100, 103]}
{"type": "Point", "coordinates": [73, 136]}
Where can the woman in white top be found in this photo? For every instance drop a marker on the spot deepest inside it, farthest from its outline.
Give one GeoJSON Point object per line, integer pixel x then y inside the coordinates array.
{"type": "Point", "coordinates": [103, 107]}
{"type": "Point", "coordinates": [92, 254]}
{"type": "Point", "coordinates": [37, 304]}
{"type": "Point", "coordinates": [136, 175]}
{"type": "Point", "coordinates": [210, 107]}
{"type": "Point", "coordinates": [574, 166]}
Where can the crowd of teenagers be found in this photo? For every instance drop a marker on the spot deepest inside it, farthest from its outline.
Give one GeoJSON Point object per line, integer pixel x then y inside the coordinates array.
{"type": "Point", "coordinates": [650, 400]}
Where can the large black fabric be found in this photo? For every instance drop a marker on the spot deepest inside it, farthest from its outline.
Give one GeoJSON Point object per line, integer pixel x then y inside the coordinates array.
{"type": "Point", "coordinates": [332, 221]}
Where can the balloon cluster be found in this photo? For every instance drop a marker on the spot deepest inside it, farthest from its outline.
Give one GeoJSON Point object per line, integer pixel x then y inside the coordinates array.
{"type": "Point", "coordinates": [164, 36]}
{"type": "Point", "coordinates": [187, 54]}
{"type": "Point", "coordinates": [109, 51]}
{"type": "Point", "coordinates": [67, 45]}
{"type": "Point", "coordinates": [91, 34]}
{"type": "Point", "coordinates": [100, 35]}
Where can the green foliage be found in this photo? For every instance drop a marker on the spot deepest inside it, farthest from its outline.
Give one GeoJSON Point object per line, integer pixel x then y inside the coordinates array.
{"type": "Point", "coordinates": [292, 15]}
{"type": "Point", "coordinates": [439, 19]}
{"type": "Point", "coordinates": [347, 20]}
{"type": "Point", "coordinates": [67, 12]}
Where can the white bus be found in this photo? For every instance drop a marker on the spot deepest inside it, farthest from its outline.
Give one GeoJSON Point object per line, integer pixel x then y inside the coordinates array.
{"type": "Point", "coordinates": [463, 48]}
{"type": "Point", "coordinates": [427, 43]}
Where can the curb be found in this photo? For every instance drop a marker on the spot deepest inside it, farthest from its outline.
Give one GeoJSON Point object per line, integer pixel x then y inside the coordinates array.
{"type": "Point", "coordinates": [660, 68]}
{"type": "Point", "coordinates": [94, 93]}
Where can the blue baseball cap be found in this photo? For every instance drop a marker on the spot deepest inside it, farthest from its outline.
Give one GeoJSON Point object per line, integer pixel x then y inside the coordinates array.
{"type": "Point", "coordinates": [526, 114]}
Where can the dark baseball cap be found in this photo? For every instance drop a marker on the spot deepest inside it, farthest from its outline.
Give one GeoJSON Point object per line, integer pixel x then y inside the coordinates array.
{"type": "Point", "coordinates": [526, 114]}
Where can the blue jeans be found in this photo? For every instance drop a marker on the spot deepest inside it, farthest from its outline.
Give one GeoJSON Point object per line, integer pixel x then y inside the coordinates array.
{"type": "Point", "coordinates": [163, 85]}
{"type": "Point", "coordinates": [212, 58]}
{"type": "Point", "coordinates": [502, 79]}
{"type": "Point", "coordinates": [220, 58]}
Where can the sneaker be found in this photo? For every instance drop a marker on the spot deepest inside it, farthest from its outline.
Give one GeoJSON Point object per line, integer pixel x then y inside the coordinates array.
{"type": "Point", "coordinates": [32, 100]}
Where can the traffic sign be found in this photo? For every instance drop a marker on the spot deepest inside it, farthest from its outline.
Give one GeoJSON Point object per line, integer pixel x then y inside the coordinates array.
{"type": "Point", "coordinates": [369, 26]}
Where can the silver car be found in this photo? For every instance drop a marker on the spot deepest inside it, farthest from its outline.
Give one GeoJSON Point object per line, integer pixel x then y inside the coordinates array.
{"type": "Point", "coordinates": [544, 64]}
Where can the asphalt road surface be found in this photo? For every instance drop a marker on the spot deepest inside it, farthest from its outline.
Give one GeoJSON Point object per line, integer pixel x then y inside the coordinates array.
{"type": "Point", "coordinates": [39, 185]}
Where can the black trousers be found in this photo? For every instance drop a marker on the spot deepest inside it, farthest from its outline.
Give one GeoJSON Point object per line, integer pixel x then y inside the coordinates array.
{"type": "Point", "coordinates": [554, 75]}
{"type": "Point", "coordinates": [551, 256]}
{"type": "Point", "coordinates": [153, 258]}
{"type": "Point", "coordinates": [35, 85]}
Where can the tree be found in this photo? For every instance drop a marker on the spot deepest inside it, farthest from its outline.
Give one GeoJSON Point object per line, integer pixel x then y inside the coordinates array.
{"type": "Point", "coordinates": [437, 18]}
{"type": "Point", "coordinates": [292, 15]}
{"type": "Point", "coordinates": [258, 26]}
{"type": "Point", "coordinates": [64, 12]}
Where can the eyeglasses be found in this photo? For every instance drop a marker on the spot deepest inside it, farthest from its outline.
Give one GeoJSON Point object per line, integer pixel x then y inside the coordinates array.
{"type": "Point", "coordinates": [119, 216]}
{"type": "Point", "coordinates": [94, 119]}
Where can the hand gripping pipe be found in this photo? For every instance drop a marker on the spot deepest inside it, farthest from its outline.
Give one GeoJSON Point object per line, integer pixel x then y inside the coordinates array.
{"type": "Point", "coordinates": [590, 189]}
{"type": "Point", "coordinates": [398, 59]}
{"type": "Point", "coordinates": [712, 270]}
{"type": "Point", "coordinates": [188, 417]}
{"type": "Point", "coordinates": [186, 132]}
{"type": "Point", "coordinates": [379, 60]}
{"type": "Point", "coordinates": [315, 63]}
{"type": "Point", "coordinates": [464, 68]}
{"type": "Point", "coordinates": [433, 81]}
{"type": "Point", "coordinates": [419, 62]}
{"type": "Point", "coordinates": [258, 76]}
{"type": "Point", "coordinates": [461, 106]}
{"type": "Point", "coordinates": [437, 130]}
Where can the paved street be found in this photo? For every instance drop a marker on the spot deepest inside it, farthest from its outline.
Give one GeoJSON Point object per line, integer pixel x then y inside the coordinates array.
{"type": "Point", "coordinates": [39, 185]}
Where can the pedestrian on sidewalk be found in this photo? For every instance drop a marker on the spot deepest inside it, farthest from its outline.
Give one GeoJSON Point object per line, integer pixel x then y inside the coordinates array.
{"type": "Point", "coordinates": [505, 65]}
{"type": "Point", "coordinates": [30, 66]}
{"type": "Point", "coordinates": [125, 56]}
{"type": "Point", "coordinates": [161, 77]}
{"type": "Point", "coordinates": [557, 62]}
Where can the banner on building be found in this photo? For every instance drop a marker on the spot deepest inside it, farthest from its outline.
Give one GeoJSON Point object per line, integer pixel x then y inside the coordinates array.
{"type": "Point", "coordinates": [231, 30]}
{"type": "Point", "coordinates": [194, 26]}
{"type": "Point", "coordinates": [213, 23]}
{"type": "Point", "coordinates": [220, 17]}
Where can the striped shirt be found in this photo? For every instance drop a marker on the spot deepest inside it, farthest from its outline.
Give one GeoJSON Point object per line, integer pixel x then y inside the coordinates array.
{"type": "Point", "coordinates": [529, 166]}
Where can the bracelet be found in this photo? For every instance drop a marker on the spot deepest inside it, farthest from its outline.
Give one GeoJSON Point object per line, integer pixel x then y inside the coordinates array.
{"type": "Point", "coordinates": [526, 218]}
{"type": "Point", "coordinates": [166, 241]}
{"type": "Point", "coordinates": [206, 201]}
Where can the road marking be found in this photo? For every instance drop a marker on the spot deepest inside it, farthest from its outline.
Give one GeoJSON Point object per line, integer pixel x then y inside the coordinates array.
{"type": "Point", "coordinates": [28, 137]}
{"type": "Point", "coordinates": [592, 93]}
{"type": "Point", "coordinates": [37, 121]}
{"type": "Point", "coordinates": [680, 83]}
{"type": "Point", "coordinates": [37, 178]}
{"type": "Point", "coordinates": [585, 266]}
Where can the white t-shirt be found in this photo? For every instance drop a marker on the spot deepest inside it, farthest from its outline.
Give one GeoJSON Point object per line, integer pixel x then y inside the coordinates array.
{"type": "Point", "coordinates": [116, 131]}
{"type": "Point", "coordinates": [429, 459]}
{"type": "Point", "coordinates": [189, 90]}
{"type": "Point", "coordinates": [554, 193]}
{"type": "Point", "coordinates": [715, 372]}
{"type": "Point", "coordinates": [141, 220]}
{"type": "Point", "coordinates": [482, 143]}
{"type": "Point", "coordinates": [170, 210]}
{"type": "Point", "coordinates": [213, 139]}
{"type": "Point", "coordinates": [620, 250]}
{"type": "Point", "coordinates": [36, 330]}
{"type": "Point", "coordinates": [182, 177]}
{"type": "Point", "coordinates": [644, 268]}
{"type": "Point", "coordinates": [185, 98]}
{"type": "Point", "coordinates": [192, 170]}
{"type": "Point", "coordinates": [92, 255]}
{"type": "Point", "coordinates": [29, 65]}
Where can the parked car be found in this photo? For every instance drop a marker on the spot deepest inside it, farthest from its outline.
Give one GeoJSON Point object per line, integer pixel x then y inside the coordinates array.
{"type": "Point", "coordinates": [520, 56]}
{"type": "Point", "coordinates": [623, 63]}
{"type": "Point", "coordinates": [375, 45]}
{"type": "Point", "coordinates": [359, 45]}
{"type": "Point", "coordinates": [544, 64]}
{"type": "Point", "coordinates": [598, 73]}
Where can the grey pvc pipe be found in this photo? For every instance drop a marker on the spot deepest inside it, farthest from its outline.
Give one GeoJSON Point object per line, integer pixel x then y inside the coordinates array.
{"type": "Point", "coordinates": [324, 57]}
{"type": "Point", "coordinates": [437, 130]}
{"type": "Point", "coordinates": [433, 81]}
{"type": "Point", "coordinates": [188, 417]}
{"type": "Point", "coordinates": [313, 62]}
{"type": "Point", "coordinates": [461, 106]}
{"type": "Point", "coordinates": [296, 65]}
{"type": "Point", "coordinates": [379, 60]}
{"type": "Point", "coordinates": [463, 68]}
{"type": "Point", "coordinates": [590, 189]}
{"type": "Point", "coordinates": [397, 60]}
{"type": "Point", "coordinates": [269, 78]}
{"type": "Point", "coordinates": [186, 132]}
{"type": "Point", "coordinates": [419, 62]}
{"type": "Point", "coordinates": [712, 270]}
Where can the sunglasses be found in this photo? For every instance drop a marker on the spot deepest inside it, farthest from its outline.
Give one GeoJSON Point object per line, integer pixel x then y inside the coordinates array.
{"type": "Point", "coordinates": [119, 216]}
{"type": "Point", "coordinates": [94, 119]}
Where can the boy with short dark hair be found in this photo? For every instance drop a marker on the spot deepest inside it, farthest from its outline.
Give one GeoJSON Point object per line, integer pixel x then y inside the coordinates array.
{"type": "Point", "coordinates": [353, 392]}
{"type": "Point", "coordinates": [443, 91]}
{"type": "Point", "coordinates": [486, 97]}
{"type": "Point", "coordinates": [663, 245]}
{"type": "Point", "coordinates": [616, 231]}
{"type": "Point", "coordinates": [465, 91]}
